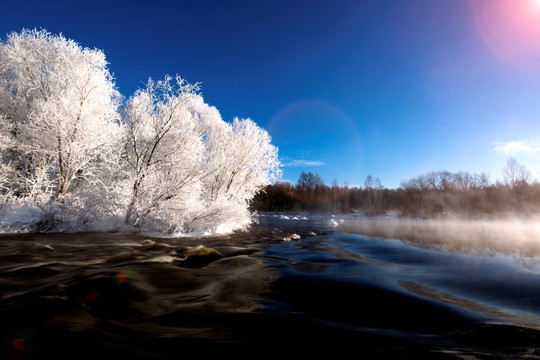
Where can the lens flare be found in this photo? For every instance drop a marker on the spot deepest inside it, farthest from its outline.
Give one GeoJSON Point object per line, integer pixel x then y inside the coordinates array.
{"type": "Point", "coordinates": [92, 297]}
{"type": "Point", "coordinates": [19, 344]}
{"type": "Point", "coordinates": [326, 136]}
{"type": "Point", "coordinates": [511, 28]}
{"type": "Point", "coordinates": [121, 278]}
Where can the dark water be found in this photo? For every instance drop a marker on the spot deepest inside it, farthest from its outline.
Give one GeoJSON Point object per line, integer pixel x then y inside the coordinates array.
{"type": "Point", "coordinates": [83, 296]}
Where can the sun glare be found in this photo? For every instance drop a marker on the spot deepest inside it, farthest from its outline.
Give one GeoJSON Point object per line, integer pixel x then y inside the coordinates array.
{"type": "Point", "coordinates": [511, 28]}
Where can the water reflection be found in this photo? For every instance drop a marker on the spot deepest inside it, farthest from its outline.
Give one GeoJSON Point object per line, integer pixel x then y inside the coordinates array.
{"type": "Point", "coordinates": [518, 239]}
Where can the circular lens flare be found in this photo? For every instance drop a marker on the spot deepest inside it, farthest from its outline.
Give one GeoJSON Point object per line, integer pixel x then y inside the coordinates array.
{"type": "Point", "coordinates": [19, 344]}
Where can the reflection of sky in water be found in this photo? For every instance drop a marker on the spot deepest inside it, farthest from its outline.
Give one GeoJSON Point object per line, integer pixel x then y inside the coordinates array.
{"type": "Point", "coordinates": [484, 269]}
{"type": "Point", "coordinates": [495, 285]}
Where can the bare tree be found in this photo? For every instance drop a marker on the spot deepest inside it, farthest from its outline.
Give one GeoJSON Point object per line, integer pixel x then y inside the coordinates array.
{"type": "Point", "coordinates": [416, 189]}
{"type": "Point", "coordinates": [309, 184]}
{"type": "Point", "coordinates": [516, 177]}
{"type": "Point", "coordinates": [515, 174]}
{"type": "Point", "coordinates": [445, 181]}
{"type": "Point", "coordinates": [368, 184]}
{"type": "Point", "coordinates": [335, 194]}
{"type": "Point", "coordinates": [482, 180]}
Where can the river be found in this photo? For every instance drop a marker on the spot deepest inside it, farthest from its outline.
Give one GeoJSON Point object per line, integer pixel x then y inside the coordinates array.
{"type": "Point", "coordinates": [288, 287]}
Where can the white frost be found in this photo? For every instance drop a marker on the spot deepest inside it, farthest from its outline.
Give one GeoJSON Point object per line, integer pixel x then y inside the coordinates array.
{"type": "Point", "coordinates": [162, 162]}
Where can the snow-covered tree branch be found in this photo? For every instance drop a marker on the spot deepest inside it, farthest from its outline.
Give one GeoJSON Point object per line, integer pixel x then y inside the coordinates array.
{"type": "Point", "coordinates": [60, 105]}
{"type": "Point", "coordinates": [187, 165]}
{"type": "Point", "coordinates": [165, 162]}
{"type": "Point", "coordinates": [162, 147]}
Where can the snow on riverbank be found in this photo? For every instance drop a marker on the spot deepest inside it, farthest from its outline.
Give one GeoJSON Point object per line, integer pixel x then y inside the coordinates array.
{"type": "Point", "coordinates": [28, 218]}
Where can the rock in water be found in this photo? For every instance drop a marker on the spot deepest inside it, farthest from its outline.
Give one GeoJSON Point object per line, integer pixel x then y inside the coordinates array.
{"type": "Point", "coordinates": [201, 256]}
{"type": "Point", "coordinates": [332, 223]}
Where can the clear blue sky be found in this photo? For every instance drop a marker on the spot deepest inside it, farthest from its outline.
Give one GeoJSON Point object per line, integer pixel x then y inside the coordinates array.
{"type": "Point", "coordinates": [390, 88]}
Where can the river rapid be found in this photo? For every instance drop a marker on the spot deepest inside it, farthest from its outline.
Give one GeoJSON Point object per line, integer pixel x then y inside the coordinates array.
{"type": "Point", "coordinates": [290, 286]}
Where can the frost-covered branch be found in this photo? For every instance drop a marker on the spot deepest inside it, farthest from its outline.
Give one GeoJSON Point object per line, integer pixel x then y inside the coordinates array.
{"type": "Point", "coordinates": [62, 104]}
{"type": "Point", "coordinates": [166, 162]}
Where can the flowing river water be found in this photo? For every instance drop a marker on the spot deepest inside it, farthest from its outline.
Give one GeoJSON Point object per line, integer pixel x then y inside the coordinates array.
{"type": "Point", "coordinates": [285, 288]}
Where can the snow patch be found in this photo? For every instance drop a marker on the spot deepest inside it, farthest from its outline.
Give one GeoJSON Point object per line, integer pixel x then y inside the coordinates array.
{"type": "Point", "coordinates": [18, 217]}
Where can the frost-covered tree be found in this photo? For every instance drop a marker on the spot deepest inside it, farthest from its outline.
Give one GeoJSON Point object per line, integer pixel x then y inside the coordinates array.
{"type": "Point", "coordinates": [6, 171]}
{"type": "Point", "coordinates": [163, 148]}
{"type": "Point", "coordinates": [190, 170]}
{"type": "Point", "coordinates": [167, 162]}
{"type": "Point", "coordinates": [59, 105]}
{"type": "Point", "coordinates": [240, 161]}
{"type": "Point", "coordinates": [246, 162]}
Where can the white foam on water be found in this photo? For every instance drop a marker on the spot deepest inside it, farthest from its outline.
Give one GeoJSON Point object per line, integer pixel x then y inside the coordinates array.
{"type": "Point", "coordinates": [163, 259]}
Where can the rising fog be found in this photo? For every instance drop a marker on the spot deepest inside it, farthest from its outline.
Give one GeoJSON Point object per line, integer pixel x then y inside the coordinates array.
{"type": "Point", "coordinates": [512, 236]}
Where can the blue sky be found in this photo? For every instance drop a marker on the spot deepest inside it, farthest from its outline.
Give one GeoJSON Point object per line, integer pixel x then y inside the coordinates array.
{"type": "Point", "coordinates": [388, 88]}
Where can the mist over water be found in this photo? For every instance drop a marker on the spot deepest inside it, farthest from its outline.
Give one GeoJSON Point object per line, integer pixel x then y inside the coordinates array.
{"type": "Point", "coordinates": [291, 286]}
{"type": "Point", "coordinates": [511, 236]}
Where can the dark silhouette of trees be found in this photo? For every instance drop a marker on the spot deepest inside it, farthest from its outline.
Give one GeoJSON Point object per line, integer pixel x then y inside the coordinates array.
{"type": "Point", "coordinates": [434, 194]}
{"type": "Point", "coordinates": [416, 190]}
{"type": "Point", "coordinates": [309, 188]}
{"type": "Point", "coordinates": [277, 197]}
{"type": "Point", "coordinates": [335, 195]}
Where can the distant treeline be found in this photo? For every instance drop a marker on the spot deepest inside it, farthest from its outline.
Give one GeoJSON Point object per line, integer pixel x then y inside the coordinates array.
{"type": "Point", "coordinates": [430, 195]}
